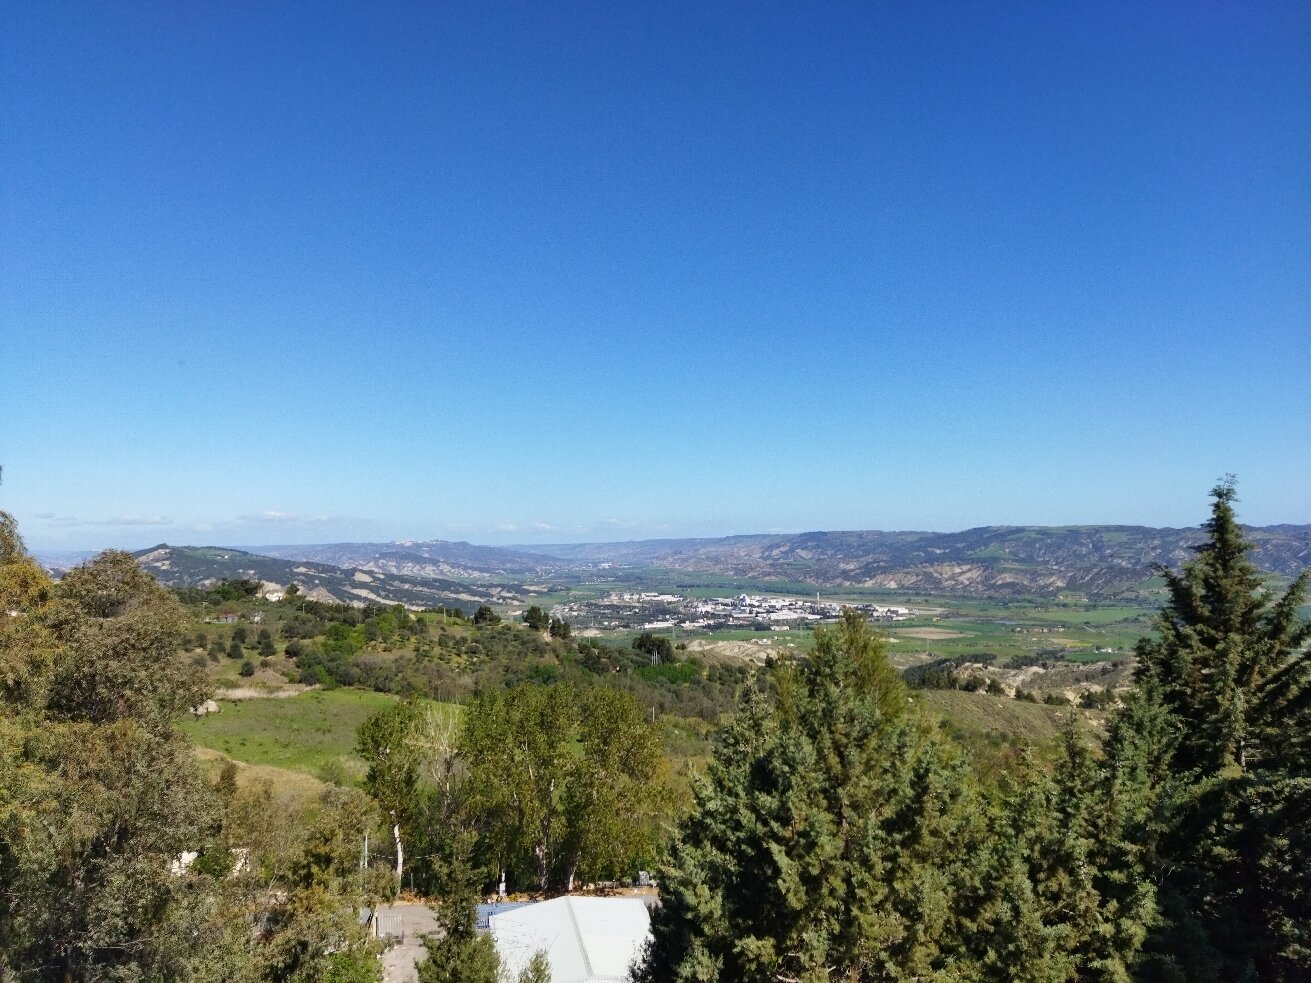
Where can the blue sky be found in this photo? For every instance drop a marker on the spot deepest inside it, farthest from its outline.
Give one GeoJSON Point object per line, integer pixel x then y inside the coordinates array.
{"type": "Point", "coordinates": [551, 272]}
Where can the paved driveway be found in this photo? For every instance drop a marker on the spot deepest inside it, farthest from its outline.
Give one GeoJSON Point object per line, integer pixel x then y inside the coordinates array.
{"type": "Point", "coordinates": [400, 961]}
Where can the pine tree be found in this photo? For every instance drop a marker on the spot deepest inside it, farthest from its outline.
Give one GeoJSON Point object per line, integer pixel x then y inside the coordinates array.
{"type": "Point", "coordinates": [1231, 660]}
{"type": "Point", "coordinates": [1231, 674]}
{"type": "Point", "coordinates": [831, 839]}
{"type": "Point", "coordinates": [536, 619]}
{"type": "Point", "coordinates": [538, 970]}
{"type": "Point", "coordinates": [1083, 907]}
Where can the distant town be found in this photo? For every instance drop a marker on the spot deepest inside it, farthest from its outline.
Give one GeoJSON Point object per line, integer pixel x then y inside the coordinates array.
{"type": "Point", "coordinates": [745, 612]}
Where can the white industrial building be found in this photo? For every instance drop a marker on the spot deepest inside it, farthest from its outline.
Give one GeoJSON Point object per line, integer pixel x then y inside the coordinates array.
{"type": "Point", "coordinates": [586, 940]}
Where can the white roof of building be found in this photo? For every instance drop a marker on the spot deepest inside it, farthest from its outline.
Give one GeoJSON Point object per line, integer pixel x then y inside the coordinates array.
{"type": "Point", "coordinates": [586, 940]}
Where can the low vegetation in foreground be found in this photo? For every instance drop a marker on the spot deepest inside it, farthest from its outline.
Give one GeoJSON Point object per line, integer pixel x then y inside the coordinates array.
{"type": "Point", "coordinates": [811, 819]}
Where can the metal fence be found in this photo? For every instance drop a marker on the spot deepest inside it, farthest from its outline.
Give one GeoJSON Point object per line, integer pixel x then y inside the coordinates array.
{"type": "Point", "coordinates": [388, 925]}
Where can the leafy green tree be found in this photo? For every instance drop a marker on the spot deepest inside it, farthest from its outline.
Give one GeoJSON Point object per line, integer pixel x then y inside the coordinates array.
{"type": "Point", "coordinates": [120, 657]}
{"type": "Point", "coordinates": [102, 803]}
{"type": "Point", "coordinates": [91, 818]}
{"type": "Point", "coordinates": [617, 793]}
{"type": "Point", "coordinates": [518, 744]}
{"type": "Point", "coordinates": [656, 647]}
{"type": "Point", "coordinates": [266, 647]}
{"type": "Point", "coordinates": [235, 651]}
{"type": "Point", "coordinates": [486, 616]}
{"type": "Point", "coordinates": [27, 646]}
{"type": "Point", "coordinates": [536, 619]}
{"type": "Point", "coordinates": [314, 932]}
{"type": "Point", "coordinates": [559, 628]}
{"type": "Point", "coordinates": [387, 742]}
{"type": "Point", "coordinates": [226, 786]}
{"type": "Point", "coordinates": [247, 669]}
{"type": "Point", "coordinates": [459, 953]}
{"type": "Point", "coordinates": [99, 794]}
{"type": "Point", "coordinates": [563, 782]}
{"type": "Point", "coordinates": [317, 939]}
{"type": "Point", "coordinates": [233, 590]}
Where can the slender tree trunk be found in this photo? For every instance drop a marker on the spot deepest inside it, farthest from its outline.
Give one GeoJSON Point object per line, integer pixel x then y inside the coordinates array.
{"type": "Point", "coordinates": [400, 852]}
{"type": "Point", "coordinates": [544, 846]}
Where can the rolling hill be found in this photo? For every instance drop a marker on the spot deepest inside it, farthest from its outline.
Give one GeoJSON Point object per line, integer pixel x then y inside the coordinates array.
{"type": "Point", "coordinates": [430, 558]}
{"type": "Point", "coordinates": [198, 566]}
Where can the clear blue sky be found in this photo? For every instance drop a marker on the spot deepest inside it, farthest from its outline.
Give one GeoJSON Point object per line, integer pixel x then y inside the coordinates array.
{"type": "Point", "coordinates": [297, 272]}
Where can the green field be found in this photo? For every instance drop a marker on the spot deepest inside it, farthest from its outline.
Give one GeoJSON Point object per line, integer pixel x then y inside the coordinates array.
{"type": "Point", "coordinates": [307, 733]}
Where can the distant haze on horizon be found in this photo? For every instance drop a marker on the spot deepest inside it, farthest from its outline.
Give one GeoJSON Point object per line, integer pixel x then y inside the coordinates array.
{"type": "Point", "coordinates": [533, 273]}
{"type": "Point", "coordinates": [204, 534]}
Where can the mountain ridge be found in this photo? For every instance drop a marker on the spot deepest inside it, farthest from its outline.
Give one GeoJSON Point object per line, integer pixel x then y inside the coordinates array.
{"type": "Point", "coordinates": [1098, 559]}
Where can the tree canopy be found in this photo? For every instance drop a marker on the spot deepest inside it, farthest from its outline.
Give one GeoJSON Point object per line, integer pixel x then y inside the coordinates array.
{"type": "Point", "coordinates": [1230, 677]}
{"type": "Point", "coordinates": [119, 860]}
{"type": "Point", "coordinates": [565, 782]}
{"type": "Point", "coordinates": [837, 836]}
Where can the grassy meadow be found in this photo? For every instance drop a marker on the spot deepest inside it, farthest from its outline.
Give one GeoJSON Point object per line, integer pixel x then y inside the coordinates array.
{"type": "Point", "coordinates": [313, 733]}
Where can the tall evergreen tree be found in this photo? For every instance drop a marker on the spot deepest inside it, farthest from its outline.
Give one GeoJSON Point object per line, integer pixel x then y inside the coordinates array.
{"type": "Point", "coordinates": [1232, 675]}
{"type": "Point", "coordinates": [1074, 904]}
{"type": "Point", "coordinates": [836, 836]}
{"type": "Point", "coordinates": [831, 838]}
{"type": "Point", "coordinates": [1230, 660]}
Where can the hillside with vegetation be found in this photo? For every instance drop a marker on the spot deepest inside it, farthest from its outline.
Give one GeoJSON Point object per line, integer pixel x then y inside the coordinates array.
{"type": "Point", "coordinates": [824, 816]}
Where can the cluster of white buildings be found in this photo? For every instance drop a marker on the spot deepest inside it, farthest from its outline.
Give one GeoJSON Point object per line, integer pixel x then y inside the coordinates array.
{"type": "Point", "coordinates": [749, 608]}
{"type": "Point", "coordinates": [664, 612]}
